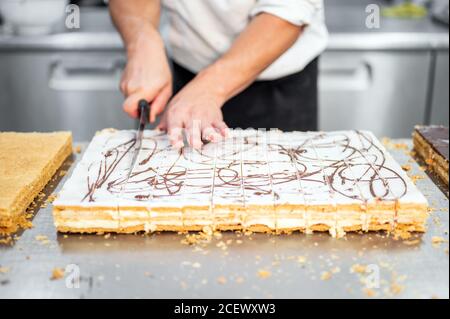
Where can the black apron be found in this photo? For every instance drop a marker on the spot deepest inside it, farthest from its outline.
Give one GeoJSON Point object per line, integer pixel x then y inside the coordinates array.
{"type": "Point", "coordinates": [289, 103]}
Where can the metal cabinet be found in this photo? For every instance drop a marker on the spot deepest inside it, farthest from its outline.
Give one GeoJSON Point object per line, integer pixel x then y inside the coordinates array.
{"type": "Point", "coordinates": [439, 98]}
{"type": "Point", "coordinates": [61, 91]}
{"type": "Point", "coordinates": [381, 91]}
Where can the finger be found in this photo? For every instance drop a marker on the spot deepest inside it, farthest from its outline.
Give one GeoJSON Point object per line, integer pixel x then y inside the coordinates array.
{"type": "Point", "coordinates": [175, 132]}
{"type": "Point", "coordinates": [210, 134]}
{"type": "Point", "coordinates": [123, 88]}
{"type": "Point", "coordinates": [160, 103]}
{"type": "Point", "coordinates": [194, 135]}
{"type": "Point", "coordinates": [162, 126]}
{"type": "Point", "coordinates": [223, 128]}
{"type": "Point", "coordinates": [130, 106]}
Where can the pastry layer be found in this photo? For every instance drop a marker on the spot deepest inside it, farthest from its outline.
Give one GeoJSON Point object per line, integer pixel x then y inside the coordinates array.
{"type": "Point", "coordinates": [283, 219]}
{"type": "Point", "coordinates": [27, 163]}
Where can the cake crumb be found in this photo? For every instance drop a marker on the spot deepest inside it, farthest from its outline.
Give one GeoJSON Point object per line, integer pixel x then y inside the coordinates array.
{"type": "Point", "coordinates": [57, 274]}
{"type": "Point", "coordinates": [415, 178]}
{"type": "Point", "coordinates": [406, 168]}
{"type": "Point", "coordinates": [4, 270]}
{"type": "Point", "coordinates": [369, 292]}
{"type": "Point", "coordinates": [77, 149]}
{"type": "Point", "coordinates": [358, 268]}
{"type": "Point", "coordinates": [222, 280]}
{"type": "Point", "coordinates": [396, 289]}
{"type": "Point", "coordinates": [301, 260]}
{"type": "Point", "coordinates": [198, 238]}
{"type": "Point", "coordinates": [264, 274]}
{"type": "Point", "coordinates": [437, 240]}
{"type": "Point", "coordinates": [388, 143]}
{"type": "Point", "coordinates": [326, 275]}
{"type": "Point", "coordinates": [42, 239]}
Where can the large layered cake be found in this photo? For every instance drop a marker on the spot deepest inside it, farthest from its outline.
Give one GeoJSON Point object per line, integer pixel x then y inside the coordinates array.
{"type": "Point", "coordinates": [254, 180]}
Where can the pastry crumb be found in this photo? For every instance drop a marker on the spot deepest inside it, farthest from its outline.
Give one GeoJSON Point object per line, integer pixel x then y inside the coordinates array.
{"type": "Point", "coordinates": [57, 274]}
{"type": "Point", "coordinates": [437, 240]}
{"type": "Point", "coordinates": [406, 168]}
{"type": "Point", "coordinates": [369, 292]}
{"type": "Point", "coordinates": [42, 239]}
{"type": "Point", "coordinates": [4, 270]}
{"type": "Point", "coordinates": [222, 280]}
{"type": "Point", "coordinates": [396, 288]}
{"type": "Point", "coordinates": [326, 275]}
{"type": "Point", "coordinates": [301, 260]}
{"type": "Point", "coordinates": [358, 268]}
{"type": "Point", "coordinates": [264, 274]}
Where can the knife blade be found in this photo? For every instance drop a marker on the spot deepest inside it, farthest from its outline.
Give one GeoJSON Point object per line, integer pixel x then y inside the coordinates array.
{"type": "Point", "coordinates": [143, 111]}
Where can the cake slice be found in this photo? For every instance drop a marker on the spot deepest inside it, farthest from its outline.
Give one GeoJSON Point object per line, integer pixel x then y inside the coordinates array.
{"type": "Point", "coordinates": [431, 144]}
{"type": "Point", "coordinates": [27, 163]}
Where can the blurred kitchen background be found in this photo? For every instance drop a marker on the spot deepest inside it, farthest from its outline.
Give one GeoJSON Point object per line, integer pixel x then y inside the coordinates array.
{"type": "Point", "coordinates": [386, 80]}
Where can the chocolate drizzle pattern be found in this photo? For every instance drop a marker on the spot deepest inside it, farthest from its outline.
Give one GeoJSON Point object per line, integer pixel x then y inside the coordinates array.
{"type": "Point", "coordinates": [250, 168]}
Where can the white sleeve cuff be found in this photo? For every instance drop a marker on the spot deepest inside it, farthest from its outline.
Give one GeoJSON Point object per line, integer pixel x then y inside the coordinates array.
{"type": "Point", "coordinates": [298, 12]}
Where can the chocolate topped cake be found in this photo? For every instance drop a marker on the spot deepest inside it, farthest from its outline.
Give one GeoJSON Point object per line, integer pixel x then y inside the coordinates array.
{"type": "Point", "coordinates": [431, 144]}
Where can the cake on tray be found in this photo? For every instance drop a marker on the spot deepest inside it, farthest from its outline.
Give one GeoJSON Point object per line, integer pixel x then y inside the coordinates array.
{"type": "Point", "coordinates": [254, 180]}
{"type": "Point", "coordinates": [27, 163]}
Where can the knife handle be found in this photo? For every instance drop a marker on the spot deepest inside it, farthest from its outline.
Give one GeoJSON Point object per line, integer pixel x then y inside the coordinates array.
{"type": "Point", "coordinates": [144, 108]}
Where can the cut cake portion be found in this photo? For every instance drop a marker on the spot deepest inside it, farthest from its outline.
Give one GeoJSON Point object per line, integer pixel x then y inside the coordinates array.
{"type": "Point", "coordinates": [27, 163]}
{"type": "Point", "coordinates": [431, 144]}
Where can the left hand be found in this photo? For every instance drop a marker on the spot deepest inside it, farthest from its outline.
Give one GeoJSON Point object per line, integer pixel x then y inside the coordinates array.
{"type": "Point", "coordinates": [196, 110]}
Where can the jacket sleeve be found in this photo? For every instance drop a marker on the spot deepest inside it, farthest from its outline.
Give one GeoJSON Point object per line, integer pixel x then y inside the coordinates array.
{"type": "Point", "coordinates": [297, 12]}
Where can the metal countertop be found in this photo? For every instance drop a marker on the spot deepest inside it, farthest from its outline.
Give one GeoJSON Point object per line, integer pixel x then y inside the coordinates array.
{"type": "Point", "coordinates": [346, 24]}
{"type": "Point", "coordinates": [300, 266]}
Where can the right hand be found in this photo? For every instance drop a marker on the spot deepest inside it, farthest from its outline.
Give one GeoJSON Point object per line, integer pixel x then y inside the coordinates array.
{"type": "Point", "coordinates": [147, 76]}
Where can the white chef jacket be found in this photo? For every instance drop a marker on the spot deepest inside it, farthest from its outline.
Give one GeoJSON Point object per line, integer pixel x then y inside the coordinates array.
{"type": "Point", "coordinates": [201, 31]}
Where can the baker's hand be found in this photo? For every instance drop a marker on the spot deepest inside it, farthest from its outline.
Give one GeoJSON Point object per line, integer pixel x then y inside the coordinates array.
{"type": "Point", "coordinates": [147, 76]}
{"type": "Point", "coordinates": [197, 111]}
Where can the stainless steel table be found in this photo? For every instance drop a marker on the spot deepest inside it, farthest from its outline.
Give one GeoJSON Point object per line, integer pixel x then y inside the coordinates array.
{"type": "Point", "coordinates": [235, 266]}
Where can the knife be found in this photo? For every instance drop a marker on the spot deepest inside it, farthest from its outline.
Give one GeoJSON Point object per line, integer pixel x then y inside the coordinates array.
{"type": "Point", "coordinates": [144, 112]}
